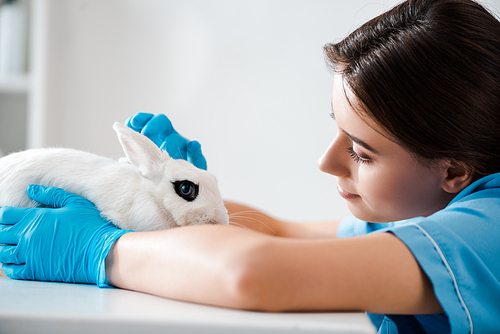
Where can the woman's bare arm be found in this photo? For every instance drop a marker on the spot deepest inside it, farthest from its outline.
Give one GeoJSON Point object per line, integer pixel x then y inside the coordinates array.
{"type": "Point", "coordinates": [245, 216]}
{"type": "Point", "coordinates": [237, 268]}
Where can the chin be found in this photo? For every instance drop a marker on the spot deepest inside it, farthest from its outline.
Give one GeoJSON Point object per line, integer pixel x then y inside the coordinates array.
{"type": "Point", "coordinates": [373, 217]}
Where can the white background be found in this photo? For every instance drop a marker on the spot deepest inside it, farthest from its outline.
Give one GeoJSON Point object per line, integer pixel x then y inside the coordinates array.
{"type": "Point", "coordinates": [245, 78]}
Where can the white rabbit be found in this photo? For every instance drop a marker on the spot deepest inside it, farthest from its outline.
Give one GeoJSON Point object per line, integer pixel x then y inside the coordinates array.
{"type": "Point", "coordinates": [153, 192]}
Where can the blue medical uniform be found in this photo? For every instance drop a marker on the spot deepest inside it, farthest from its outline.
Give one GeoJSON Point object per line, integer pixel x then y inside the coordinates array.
{"type": "Point", "coordinates": [459, 250]}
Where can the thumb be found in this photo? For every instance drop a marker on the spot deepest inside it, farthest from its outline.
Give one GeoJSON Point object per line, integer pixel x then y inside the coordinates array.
{"type": "Point", "coordinates": [158, 126]}
{"type": "Point", "coordinates": [138, 121]}
{"type": "Point", "coordinates": [54, 197]}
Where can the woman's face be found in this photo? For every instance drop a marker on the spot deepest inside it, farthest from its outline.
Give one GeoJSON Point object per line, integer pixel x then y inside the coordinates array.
{"type": "Point", "coordinates": [380, 180]}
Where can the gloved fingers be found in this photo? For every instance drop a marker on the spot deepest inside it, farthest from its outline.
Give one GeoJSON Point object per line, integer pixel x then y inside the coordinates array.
{"type": "Point", "coordinates": [56, 197]}
{"type": "Point", "coordinates": [11, 224]}
{"type": "Point", "coordinates": [9, 234]}
{"type": "Point", "coordinates": [10, 215]}
{"type": "Point", "coordinates": [138, 121]}
{"type": "Point", "coordinates": [195, 156]}
{"type": "Point", "coordinates": [176, 146]}
{"type": "Point", "coordinates": [14, 271]}
{"type": "Point", "coordinates": [158, 128]}
{"type": "Point", "coordinates": [9, 255]}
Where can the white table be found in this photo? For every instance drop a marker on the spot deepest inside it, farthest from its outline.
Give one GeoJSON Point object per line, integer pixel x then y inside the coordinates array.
{"type": "Point", "coordinates": [41, 307]}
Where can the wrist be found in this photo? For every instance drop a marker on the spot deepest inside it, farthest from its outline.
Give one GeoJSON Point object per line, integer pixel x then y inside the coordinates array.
{"type": "Point", "coordinates": [109, 264]}
{"type": "Point", "coordinates": [106, 257]}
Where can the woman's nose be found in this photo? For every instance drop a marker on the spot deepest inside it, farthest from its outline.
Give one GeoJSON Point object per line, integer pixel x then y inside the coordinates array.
{"type": "Point", "coordinates": [333, 161]}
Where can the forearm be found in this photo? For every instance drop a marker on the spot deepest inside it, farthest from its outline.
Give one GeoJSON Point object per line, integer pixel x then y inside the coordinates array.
{"type": "Point", "coordinates": [242, 215]}
{"type": "Point", "coordinates": [237, 268]}
{"type": "Point", "coordinates": [197, 263]}
{"type": "Point", "coordinates": [375, 273]}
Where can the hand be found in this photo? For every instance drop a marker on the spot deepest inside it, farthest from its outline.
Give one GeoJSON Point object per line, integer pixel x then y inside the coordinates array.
{"type": "Point", "coordinates": [67, 242]}
{"type": "Point", "coordinates": [159, 129]}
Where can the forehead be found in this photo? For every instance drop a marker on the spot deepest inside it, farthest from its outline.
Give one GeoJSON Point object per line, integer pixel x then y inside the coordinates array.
{"type": "Point", "coordinates": [351, 117]}
{"type": "Point", "coordinates": [345, 102]}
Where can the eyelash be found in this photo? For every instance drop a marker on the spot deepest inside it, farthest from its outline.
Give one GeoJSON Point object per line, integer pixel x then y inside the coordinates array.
{"type": "Point", "coordinates": [354, 156]}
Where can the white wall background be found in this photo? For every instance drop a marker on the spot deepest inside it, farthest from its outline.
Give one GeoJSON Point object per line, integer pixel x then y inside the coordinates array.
{"type": "Point", "coordinates": [246, 78]}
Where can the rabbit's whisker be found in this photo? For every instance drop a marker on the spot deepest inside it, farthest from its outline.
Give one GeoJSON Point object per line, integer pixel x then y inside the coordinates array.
{"type": "Point", "coordinates": [250, 219]}
{"type": "Point", "coordinates": [240, 225]}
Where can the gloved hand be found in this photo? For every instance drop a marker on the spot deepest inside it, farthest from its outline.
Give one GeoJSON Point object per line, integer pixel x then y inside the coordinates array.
{"type": "Point", "coordinates": [68, 242]}
{"type": "Point", "coordinates": [159, 129]}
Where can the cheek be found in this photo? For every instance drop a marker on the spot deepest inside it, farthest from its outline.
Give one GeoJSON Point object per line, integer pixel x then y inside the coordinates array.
{"type": "Point", "coordinates": [397, 194]}
{"type": "Point", "coordinates": [378, 187]}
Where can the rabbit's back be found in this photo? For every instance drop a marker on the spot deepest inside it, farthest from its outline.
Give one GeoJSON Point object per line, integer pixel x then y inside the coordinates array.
{"type": "Point", "coordinates": [75, 171]}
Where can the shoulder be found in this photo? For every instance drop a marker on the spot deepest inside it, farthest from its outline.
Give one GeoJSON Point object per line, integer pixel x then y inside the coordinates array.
{"type": "Point", "coordinates": [458, 249]}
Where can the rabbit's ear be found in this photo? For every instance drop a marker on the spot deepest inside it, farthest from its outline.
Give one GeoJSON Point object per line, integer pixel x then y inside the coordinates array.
{"type": "Point", "coordinates": [141, 152]}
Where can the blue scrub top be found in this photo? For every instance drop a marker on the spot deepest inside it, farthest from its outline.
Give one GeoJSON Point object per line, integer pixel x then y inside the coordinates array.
{"type": "Point", "coordinates": [459, 250]}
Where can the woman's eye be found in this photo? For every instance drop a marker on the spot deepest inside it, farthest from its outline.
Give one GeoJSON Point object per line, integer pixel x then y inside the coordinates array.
{"type": "Point", "coordinates": [356, 157]}
{"type": "Point", "coordinates": [186, 189]}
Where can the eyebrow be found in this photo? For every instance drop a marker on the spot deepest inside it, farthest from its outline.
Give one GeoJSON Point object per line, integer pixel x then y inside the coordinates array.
{"type": "Point", "coordinates": [353, 138]}
{"type": "Point", "coordinates": [360, 142]}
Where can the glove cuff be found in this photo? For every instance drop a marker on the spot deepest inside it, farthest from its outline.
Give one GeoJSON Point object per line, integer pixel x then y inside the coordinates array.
{"type": "Point", "coordinates": [102, 247]}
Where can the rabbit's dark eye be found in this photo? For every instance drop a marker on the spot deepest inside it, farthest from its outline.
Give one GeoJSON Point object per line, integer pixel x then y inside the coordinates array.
{"type": "Point", "coordinates": [186, 189]}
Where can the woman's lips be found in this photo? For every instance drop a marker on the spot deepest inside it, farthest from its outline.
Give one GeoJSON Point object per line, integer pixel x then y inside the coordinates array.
{"type": "Point", "coordinates": [345, 194]}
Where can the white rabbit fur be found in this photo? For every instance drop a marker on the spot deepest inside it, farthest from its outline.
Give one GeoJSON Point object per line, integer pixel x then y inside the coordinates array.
{"type": "Point", "coordinates": [139, 195]}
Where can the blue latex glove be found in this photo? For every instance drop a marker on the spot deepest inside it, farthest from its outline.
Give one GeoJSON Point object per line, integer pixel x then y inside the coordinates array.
{"type": "Point", "coordinates": [159, 129]}
{"type": "Point", "coordinates": [67, 242]}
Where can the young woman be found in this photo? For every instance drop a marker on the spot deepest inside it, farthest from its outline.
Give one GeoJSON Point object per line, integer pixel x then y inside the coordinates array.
{"type": "Point", "coordinates": [416, 99]}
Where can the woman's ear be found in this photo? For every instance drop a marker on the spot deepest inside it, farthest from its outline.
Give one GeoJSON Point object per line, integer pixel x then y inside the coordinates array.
{"type": "Point", "coordinates": [458, 177]}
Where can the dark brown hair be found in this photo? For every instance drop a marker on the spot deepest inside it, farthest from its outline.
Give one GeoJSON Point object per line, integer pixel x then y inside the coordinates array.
{"type": "Point", "coordinates": [428, 72]}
